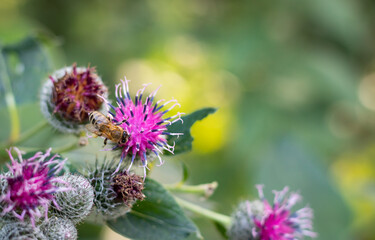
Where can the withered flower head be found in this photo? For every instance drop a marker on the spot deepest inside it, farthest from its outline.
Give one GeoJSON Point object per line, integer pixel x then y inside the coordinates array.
{"type": "Point", "coordinates": [128, 187]}
{"type": "Point", "coordinates": [69, 95]}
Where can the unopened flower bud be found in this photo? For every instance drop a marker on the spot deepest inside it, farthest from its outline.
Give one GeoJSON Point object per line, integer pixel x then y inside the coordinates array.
{"type": "Point", "coordinates": [107, 204]}
{"type": "Point", "coordinates": [20, 231]}
{"type": "Point", "coordinates": [57, 228]}
{"type": "Point", "coordinates": [77, 202]}
{"type": "Point", "coordinates": [243, 220]}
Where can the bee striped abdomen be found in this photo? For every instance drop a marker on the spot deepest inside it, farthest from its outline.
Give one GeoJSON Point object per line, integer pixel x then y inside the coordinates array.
{"type": "Point", "coordinates": [103, 126]}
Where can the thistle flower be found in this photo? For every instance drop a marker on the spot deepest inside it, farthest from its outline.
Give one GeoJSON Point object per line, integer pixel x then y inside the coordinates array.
{"type": "Point", "coordinates": [57, 228]}
{"type": "Point", "coordinates": [31, 185]}
{"type": "Point", "coordinates": [106, 201]}
{"type": "Point", "coordinates": [275, 222]}
{"type": "Point", "coordinates": [69, 95]}
{"type": "Point", "coordinates": [128, 187]}
{"type": "Point", "coordinates": [76, 203]}
{"type": "Point", "coordinates": [144, 122]}
{"type": "Point", "coordinates": [20, 231]}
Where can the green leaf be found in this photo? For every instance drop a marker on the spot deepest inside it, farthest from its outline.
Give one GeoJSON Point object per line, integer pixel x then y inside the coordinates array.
{"type": "Point", "coordinates": [23, 67]}
{"type": "Point", "coordinates": [27, 66]}
{"type": "Point", "coordinates": [221, 229]}
{"type": "Point", "coordinates": [184, 142]}
{"type": "Point", "coordinates": [157, 217]}
{"type": "Point", "coordinates": [87, 231]}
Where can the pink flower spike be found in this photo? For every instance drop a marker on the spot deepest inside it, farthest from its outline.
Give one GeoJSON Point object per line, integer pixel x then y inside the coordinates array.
{"type": "Point", "coordinates": [30, 185]}
{"type": "Point", "coordinates": [278, 222]}
{"type": "Point", "coordinates": [145, 123]}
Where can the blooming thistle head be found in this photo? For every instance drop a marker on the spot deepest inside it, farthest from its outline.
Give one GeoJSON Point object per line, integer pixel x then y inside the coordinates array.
{"type": "Point", "coordinates": [69, 95]}
{"type": "Point", "coordinates": [128, 187]}
{"type": "Point", "coordinates": [272, 222]}
{"type": "Point", "coordinates": [31, 185]}
{"type": "Point", "coordinates": [145, 122]}
{"type": "Point", "coordinates": [279, 222]}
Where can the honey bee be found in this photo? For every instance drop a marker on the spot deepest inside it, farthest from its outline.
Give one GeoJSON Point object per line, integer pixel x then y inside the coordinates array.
{"type": "Point", "coordinates": [101, 125]}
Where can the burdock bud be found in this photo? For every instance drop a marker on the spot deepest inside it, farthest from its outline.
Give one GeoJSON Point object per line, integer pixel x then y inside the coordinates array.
{"type": "Point", "coordinates": [3, 189]}
{"type": "Point", "coordinates": [243, 220]}
{"type": "Point", "coordinates": [59, 229]}
{"type": "Point", "coordinates": [20, 231]}
{"type": "Point", "coordinates": [69, 95]}
{"type": "Point", "coordinates": [106, 201]}
{"type": "Point", "coordinates": [128, 187]}
{"type": "Point", "coordinates": [76, 203]}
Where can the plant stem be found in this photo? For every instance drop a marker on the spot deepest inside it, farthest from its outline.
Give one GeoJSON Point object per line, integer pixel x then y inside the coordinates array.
{"type": "Point", "coordinates": [217, 217]}
{"type": "Point", "coordinates": [10, 101]}
{"type": "Point", "coordinates": [26, 135]}
{"type": "Point", "coordinates": [207, 189]}
{"type": "Point", "coordinates": [67, 148]}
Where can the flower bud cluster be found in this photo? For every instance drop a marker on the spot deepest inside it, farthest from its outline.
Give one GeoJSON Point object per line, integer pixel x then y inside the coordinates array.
{"type": "Point", "coordinates": [31, 189]}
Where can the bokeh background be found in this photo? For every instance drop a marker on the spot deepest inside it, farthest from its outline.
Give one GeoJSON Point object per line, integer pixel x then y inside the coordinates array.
{"type": "Point", "coordinates": [293, 81]}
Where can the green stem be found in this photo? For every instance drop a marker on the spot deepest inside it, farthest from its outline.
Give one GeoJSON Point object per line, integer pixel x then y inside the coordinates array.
{"type": "Point", "coordinates": [206, 189]}
{"type": "Point", "coordinates": [26, 135]}
{"type": "Point", "coordinates": [217, 217]}
{"type": "Point", "coordinates": [10, 101]}
{"type": "Point", "coordinates": [67, 148]}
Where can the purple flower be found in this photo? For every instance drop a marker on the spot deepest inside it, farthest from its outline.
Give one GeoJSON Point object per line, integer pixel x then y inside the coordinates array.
{"type": "Point", "coordinates": [31, 185]}
{"type": "Point", "coordinates": [278, 222]}
{"type": "Point", "coordinates": [69, 95]}
{"type": "Point", "coordinates": [145, 123]}
{"type": "Point", "coordinates": [76, 94]}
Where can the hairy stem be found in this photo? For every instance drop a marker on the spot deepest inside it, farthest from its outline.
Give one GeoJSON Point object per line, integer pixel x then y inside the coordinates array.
{"type": "Point", "coordinates": [206, 189]}
{"type": "Point", "coordinates": [217, 217]}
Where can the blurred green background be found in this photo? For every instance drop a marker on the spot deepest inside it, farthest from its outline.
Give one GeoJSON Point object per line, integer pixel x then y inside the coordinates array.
{"type": "Point", "coordinates": [294, 82]}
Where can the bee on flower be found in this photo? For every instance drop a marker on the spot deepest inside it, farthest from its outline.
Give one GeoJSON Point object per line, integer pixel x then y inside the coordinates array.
{"type": "Point", "coordinates": [144, 124]}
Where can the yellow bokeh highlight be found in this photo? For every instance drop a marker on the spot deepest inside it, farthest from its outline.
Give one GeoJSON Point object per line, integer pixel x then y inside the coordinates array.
{"type": "Point", "coordinates": [355, 175]}
{"type": "Point", "coordinates": [212, 133]}
{"type": "Point", "coordinates": [9, 4]}
{"type": "Point", "coordinates": [183, 70]}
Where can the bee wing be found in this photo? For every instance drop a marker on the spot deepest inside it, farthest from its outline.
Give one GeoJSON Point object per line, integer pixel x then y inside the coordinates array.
{"type": "Point", "coordinates": [92, 129]}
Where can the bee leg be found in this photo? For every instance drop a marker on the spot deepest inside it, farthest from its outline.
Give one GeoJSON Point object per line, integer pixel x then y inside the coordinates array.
{"type": "Point", "coordinates": [119, 123]}
{"type": "Point", "coordinates": [105, 141]}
